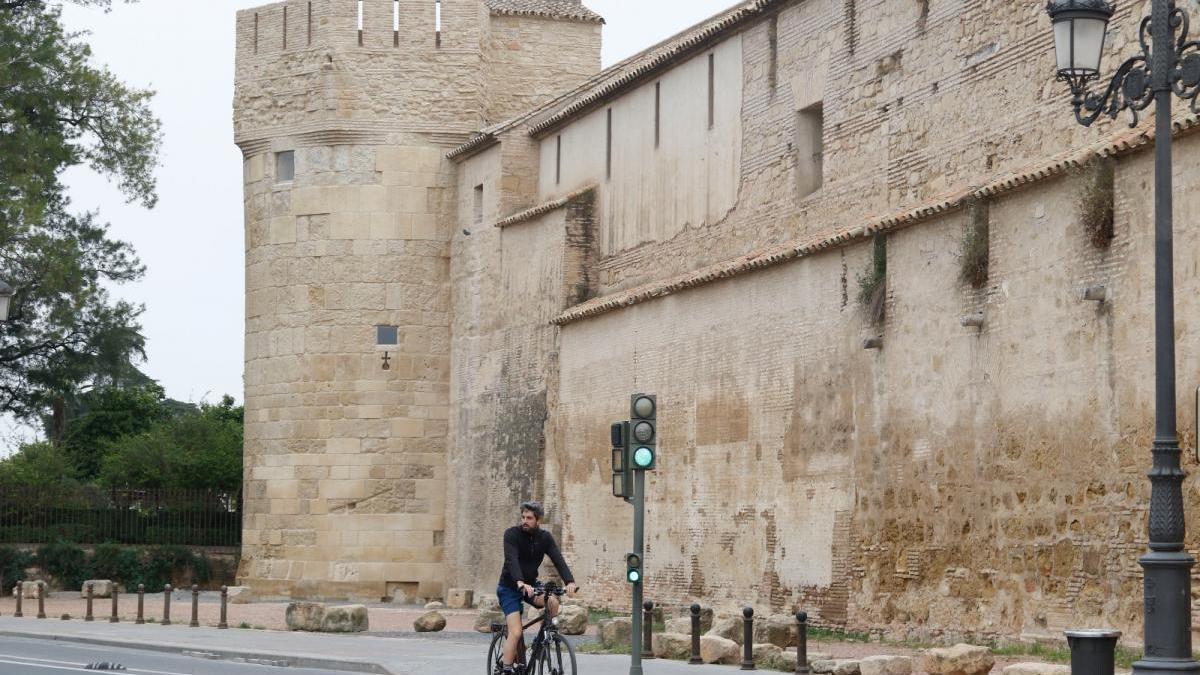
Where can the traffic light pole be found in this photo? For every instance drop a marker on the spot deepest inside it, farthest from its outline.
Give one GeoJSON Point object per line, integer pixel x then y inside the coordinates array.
{"type": "Point", "coordinates": [639, 529]}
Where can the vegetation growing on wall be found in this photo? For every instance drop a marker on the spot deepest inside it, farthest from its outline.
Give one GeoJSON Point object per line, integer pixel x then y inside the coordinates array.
{"type": "Point", "coordinates": [872, 286]}
{"type": "Point", "coordinates": [69, 566]}
{"type": "Point", "coordinates": [974, 246]}
{"type": "Point", "coordinates": [1094, 202]}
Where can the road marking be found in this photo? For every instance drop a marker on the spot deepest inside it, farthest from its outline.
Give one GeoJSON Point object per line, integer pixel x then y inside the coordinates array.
{"type": "Point", "coordinates": [73, 665]}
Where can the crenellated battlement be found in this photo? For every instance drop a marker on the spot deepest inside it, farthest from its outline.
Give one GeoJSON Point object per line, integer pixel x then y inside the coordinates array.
{"type": "Point", "coordinates": [295, 25]}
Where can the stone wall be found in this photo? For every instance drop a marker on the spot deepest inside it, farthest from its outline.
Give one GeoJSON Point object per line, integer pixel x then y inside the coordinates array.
{"type": "Point", "coordinates": [958, 480]}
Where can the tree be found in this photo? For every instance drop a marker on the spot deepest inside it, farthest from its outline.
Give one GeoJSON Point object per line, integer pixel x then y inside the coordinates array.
{"type": "Point", "coordinates": [109, 415]}
{"type": "Point", "coordinates": [58, 111]}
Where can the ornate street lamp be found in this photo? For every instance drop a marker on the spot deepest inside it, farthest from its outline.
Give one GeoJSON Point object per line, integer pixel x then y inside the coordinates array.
{"type": "Point", "coordinates": [1168, 62]}
{"type": "Point", "coordinates": [6, 294]}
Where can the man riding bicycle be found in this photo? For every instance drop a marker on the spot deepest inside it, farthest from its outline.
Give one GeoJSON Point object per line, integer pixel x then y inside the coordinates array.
{"type": "Point", "coordinates": [525, 547]}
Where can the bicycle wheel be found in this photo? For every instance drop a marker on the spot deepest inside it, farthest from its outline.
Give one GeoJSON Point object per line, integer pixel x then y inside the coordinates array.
{"type": "Point", "coordinates": [495, 651]}
{"type": "Point", "coordinates": [558, 657]}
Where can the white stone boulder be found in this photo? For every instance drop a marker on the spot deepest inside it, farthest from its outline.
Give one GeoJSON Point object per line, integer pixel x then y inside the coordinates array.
{"type": "Point", "coordinates": [434, 605]}
{"type": "Point", "coordinates": [572, 620]}
{"type": "Point", "coordinates": [676, 646]}
{"type": "Point", "coordinates": [716, 649]}
{"type": "Point", "coordinates": [1037, 669]}
{"type": "Point", "coordinates": [777, 629]}
{"type": "Point", "coordinates": [487, 617]}
{"type": "Point", "coordinates": [430, 622]}
{"type": "Point", "coordinates": [836, 666]}
{"type": "Point", "coordinates": [680, 625]}
{"type": "Point", "coordinates": [766, 655]}
{"type": "Point", "coordinates": [728, 627]}
{"type": "Point", "coordinates": [101, 588]}
{"type": "Point", "coordinates": [240, 595]}
{"type": "Point", "coordinates": [305, 616]}
{"type": "Point", "coordinates": [961, 659]}
{"type": "Point", "coordinates": [345, 619]}
{"type": "Point", "coordinates": [460, 598]}
{"type": "Point", "coordinates": [886, 665]}
{"type": "Point", "coordinates": [617, 631]}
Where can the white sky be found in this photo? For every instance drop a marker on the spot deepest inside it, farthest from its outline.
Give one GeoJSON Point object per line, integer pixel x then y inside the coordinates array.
{"type": "Point", "coordinates": [192, 241]}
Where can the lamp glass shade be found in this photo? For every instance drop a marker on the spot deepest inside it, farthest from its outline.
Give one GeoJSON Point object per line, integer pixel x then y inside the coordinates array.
{"type": "Point", "coordinates": [1079, 42]}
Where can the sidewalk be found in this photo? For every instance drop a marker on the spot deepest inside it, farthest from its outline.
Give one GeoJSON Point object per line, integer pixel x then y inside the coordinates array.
{"type": "Point", "coordinates": [402, 655]}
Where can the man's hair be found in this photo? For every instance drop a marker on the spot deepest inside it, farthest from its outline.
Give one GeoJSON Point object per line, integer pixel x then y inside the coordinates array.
{"type": "Point", "coordinates": [533, 507]}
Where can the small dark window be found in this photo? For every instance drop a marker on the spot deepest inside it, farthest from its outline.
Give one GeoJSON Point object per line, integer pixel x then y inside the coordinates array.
{"type": "Point", "coordinates": [309, 27]}
{"type": "Point", "coordinates": [387, 336]}
{"type": "Point", "coordinates": [712, 93]}
{"type": "Point", "coordinates": [809, 145]}
{"type": "Point", "coordinates": [256, 32]}
{"type": "Point", "coordinates": [608, 147]}
{"type": "Point", "coordinates": [657, 112]}
{"type": "Point", "coordinates": [558, 160]}
{"type": "Point", "coordinates": [773, 46]}
{"type": "Point", "coordinates": [360, 23]}
{"type": "Point", "coordinates": [285, 166]}
{"type": "Point", "coordinates": [395, 23]}
{"type": "Point", "coordinates": [285, 26]}
{"type": "Point", "coordinates": [479, 204]}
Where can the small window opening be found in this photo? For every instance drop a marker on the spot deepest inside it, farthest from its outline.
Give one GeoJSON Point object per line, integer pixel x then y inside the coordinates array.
{"type": "Point", "coordinates": [256, 32]}
{"type": "Point", "coordinates": [851, 19]}
{"type": "Point", "coordinates": [285, 26]}
{"type": "Point", "coordinates": [657, 112]}
{"type": "Point", "coordinates": [608, 147]}
{"type": "Point", "coordinates": [285, 166]}
{"type": "Point", "coordinates": [558, 159]}
{"type": "Point", "coordinates": [923, 16]}
{"type": "Point", "coordinates": [479, 204]}
{"type": "Point", "coordinates": [809, 146]}
{"type": "Point", "coordinates": [387, 336]}
{"type": "Point", "coordinates": [309, 23]}
{"type": "Point", "coordinates": [712, 93]}
{"type": "Point", "coordinates": [395, 23]}
{"type": "Point", "coordinates": [773, 46]}
{"type": "Point", "coordinates": [360, 23]}
{"type": "Point", "coordinates": [437, 22]}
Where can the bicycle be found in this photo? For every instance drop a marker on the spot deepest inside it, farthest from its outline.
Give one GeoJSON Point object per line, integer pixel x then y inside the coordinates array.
{"type": "Point", "coordinates": [546, 651]}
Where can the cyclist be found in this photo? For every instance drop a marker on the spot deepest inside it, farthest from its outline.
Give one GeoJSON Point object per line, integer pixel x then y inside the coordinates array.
{"type": "Point", "coordinates": [525, 547]}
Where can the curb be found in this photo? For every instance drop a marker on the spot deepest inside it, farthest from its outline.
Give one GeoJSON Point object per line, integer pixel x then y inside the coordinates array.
{"type": "Point", "coordinates": [257, 658]}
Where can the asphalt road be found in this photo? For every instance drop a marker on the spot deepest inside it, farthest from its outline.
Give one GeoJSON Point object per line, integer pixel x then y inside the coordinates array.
{"type": "Point", "coordinates": [49, 657]}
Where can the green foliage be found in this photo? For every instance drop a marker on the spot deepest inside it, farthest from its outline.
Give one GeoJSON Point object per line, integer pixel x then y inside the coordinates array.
{"type": "Point", "coordinates": [110, 414]}
{"type": "Point", "coordinates": [154, 567]}
{"type": "Point", "coordinates": [38, 464]}
{"type": "Point", "coordinates": [65, 562]}
{"type": "Point", "coordinates": [974, 247]}
{"type": "Point", "coordinates": [57, 111]}
{"type": "Point", "coordinates": [872, 286]}
{"type": "Point", "coordinates": [13, 562]}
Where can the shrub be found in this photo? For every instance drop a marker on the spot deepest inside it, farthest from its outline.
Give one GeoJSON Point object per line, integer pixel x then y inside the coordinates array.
{"type": "Point", "coordinates": [65, 562]}
{"type": "Point", "coordinates": [1094, 202]}
{"type": "Point", "coordinates": [872, 286]}
{"type": "Point", "coordinates": [13, 562]}
{"type": "Point", "coordinates": [974, 247]}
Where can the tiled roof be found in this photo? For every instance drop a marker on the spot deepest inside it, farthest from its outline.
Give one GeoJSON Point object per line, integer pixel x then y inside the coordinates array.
{"type": "Point", "coordinates": [544, 208]}
{"type": "Point", "coordinates": [551, 9]}
{"type": "Point", "coordinates": [615, 79]}
{"type": "Point", "coordinates": [1122, 142]}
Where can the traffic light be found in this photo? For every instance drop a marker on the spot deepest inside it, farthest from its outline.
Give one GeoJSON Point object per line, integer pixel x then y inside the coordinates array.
{"type": "Point", "coordinates": [643, 422]}
{"type": "Point", "coordinates": [633, 568]}
{"type": "Point", "coordinates": [621, 485]}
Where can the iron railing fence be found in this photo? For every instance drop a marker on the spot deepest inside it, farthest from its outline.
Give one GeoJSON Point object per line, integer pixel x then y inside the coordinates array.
{"type": "Point", "coordinates": [96, 515]}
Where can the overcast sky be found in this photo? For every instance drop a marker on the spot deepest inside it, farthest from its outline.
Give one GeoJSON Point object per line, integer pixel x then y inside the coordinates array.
{"type": "Point", "coordinates": [192, 241]}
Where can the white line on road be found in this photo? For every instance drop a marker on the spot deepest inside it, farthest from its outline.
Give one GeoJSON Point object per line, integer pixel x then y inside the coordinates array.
{"type": "Point", "coordinates": [71, 665]}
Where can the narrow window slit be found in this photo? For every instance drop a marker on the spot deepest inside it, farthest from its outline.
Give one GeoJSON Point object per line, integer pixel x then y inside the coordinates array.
{"type": "Point", "coordinates": [285, 26]}
{"type": "Point", "coordinates": [360, 23]}
{"type": "Point", "coordinates": [395, 23]}
{"type": "Point", "coordinates": [608, 147]}
{"type": "Point", "coordinates": [558, 160]}
{"type": "Point", "coordinates": [712, 85]}
{"type": "Point", "coordinates": [309, 23]}
{"type": "Point", "coordinates": [657, 112]}
{"type": "Point", "coordinates": [773, 45]}
{"type": "Point", "coordinates": [256, 32]}
{"type": "Point", "coordinates": [437, 22]}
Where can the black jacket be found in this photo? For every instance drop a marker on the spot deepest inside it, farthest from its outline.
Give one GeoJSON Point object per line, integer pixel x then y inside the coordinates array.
{"type": "Point", "coordinates": [524, 553]}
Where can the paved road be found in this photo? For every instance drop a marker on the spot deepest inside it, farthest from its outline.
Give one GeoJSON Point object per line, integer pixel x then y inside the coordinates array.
{"type": "Point", "coordinates": [47, 657]}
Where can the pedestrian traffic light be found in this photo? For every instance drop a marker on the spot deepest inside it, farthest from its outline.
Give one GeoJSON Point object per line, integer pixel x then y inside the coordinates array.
{"type": "Point", "coordinates": [633, 568]}
{"type": "Point", "coordinates": [621, 476]}
{"type": "Point", "coordinates": [643, 420]}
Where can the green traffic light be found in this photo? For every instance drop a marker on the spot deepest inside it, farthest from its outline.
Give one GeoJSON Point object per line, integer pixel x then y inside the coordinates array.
{"type": "Point", "coordinates": [643, 457]}
{"type": "Point", "coordinates": [634, 576]}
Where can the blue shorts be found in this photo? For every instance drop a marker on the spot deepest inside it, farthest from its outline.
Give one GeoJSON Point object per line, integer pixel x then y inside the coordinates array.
{"type": "Point", "coordinates": [510, 599]}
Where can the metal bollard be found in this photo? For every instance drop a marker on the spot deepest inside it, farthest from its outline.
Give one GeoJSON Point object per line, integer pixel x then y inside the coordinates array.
{"type": "Point", "coordinates": [1093, 651]}
{"type": "Point", "coordinates": [41, 600]}
{"type": "Point", "coordinates": [114, 618]}
{"type": "Point", "coordinates": [802, 643]}
{"type": "Point", "coordinates": [20, 594]}
{"type": "Point", "coordinates": [88, 616]}
{"type": "Point", "coordinates": [224, 607]}
{"type": "Point", "coordinates": [141, 618]}
{"type": "Point", "coordinates": [695, 659]}
{"type": "Point", "coordinates": [167, 605]}
{"type": "Point", "coordinates": [748, 639]}
{"type": "Point", "coordinates": [647, 629]}
{"type": "Point", "coordinates": [195, 607]}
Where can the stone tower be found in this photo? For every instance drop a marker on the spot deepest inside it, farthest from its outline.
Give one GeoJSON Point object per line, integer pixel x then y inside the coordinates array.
{"type": "Point", "coordinates": [344, 111]}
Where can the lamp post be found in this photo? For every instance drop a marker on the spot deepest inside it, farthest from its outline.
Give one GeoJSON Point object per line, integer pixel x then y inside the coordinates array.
{"type": "Point", "coordinates": [1168, 62]}
{"type": "Point", "coordinates": [6, 294]}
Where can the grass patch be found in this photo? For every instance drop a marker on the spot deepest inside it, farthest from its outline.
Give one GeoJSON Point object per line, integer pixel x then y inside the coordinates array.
{"type": "Point", "coordinates": [872, 286]}
{"type": "Point", "coordinates": [836, 635]}
{"type": "Point", "coordinates": [597, 648]}
{"type": "Point", "coordinates": [598, 615]}
{"type": "Point", "coordinates": [1044, 652]}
